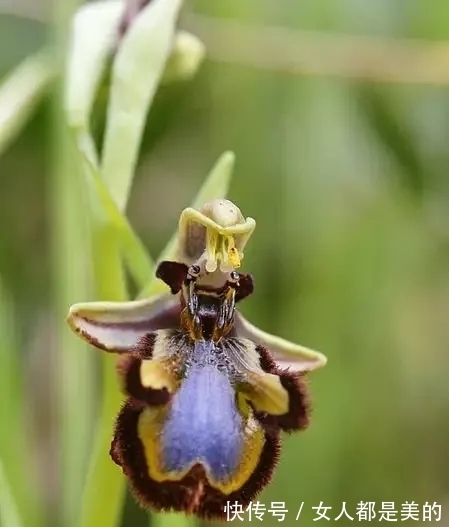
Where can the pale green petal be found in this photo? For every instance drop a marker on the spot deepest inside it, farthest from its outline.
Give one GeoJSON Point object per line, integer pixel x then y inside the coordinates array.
{"type": "Point", "coordinates": [118, 326]}
{"type": "Point", "coordinates": [285, 353]}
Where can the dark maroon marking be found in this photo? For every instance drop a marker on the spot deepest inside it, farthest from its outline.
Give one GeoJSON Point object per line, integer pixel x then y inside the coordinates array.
{"type": "Point", "coordinates": [172, 274]}
{"type": "Point", "coordinates": [131, 12]}
{"type": "Point", "coordinates": [128, 369]}
{"type": "Point", "coordinates": [144, 346]}
{"type": "Point", "coordinates": [114, 453]}
{"type": "Point", "coordinates": [245, 287]}
{"type": "Point", "coordinates": [297, 417]}
{"type": "Point", "coordinates": [182, 495]}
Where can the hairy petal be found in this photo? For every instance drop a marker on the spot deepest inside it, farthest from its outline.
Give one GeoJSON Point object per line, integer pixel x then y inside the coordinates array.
{"type": "Point", "coordinates": [296, 416]}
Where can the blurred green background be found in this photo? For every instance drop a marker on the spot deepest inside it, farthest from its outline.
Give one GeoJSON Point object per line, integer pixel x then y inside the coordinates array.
{"type": "Point", "coordinates": [348, 179]}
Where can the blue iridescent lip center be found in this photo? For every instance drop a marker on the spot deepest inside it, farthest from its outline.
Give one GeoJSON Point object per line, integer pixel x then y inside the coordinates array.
{"type": "Point", "coordinates": [203, 424]}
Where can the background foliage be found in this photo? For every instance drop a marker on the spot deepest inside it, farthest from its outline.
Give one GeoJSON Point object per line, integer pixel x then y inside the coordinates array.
{"type": "Point", "coordinates": [346, 173]}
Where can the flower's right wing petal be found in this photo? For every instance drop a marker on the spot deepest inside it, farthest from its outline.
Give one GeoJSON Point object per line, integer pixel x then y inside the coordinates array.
{"type": "Point", "coordinates": [286, 354]}
{"type": "Point", "coordinates": [118, 326]}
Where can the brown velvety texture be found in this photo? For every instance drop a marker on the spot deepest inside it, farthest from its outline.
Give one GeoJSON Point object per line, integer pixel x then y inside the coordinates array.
{"type": "Point", "coordinates": [297, 417]}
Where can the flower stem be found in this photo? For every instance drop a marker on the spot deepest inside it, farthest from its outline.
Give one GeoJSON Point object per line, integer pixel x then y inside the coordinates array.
{"type": "Point", "coordinates": [70, 281]}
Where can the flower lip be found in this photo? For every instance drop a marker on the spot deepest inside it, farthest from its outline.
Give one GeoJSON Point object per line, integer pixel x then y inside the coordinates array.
{"type": "Point", "coordinates": [192, 492]}
{"type": "Point", "coordinates": [197, 431]}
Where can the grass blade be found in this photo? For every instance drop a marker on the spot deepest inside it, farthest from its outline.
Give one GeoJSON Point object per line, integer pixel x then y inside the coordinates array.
{"type": "Point", "coordinates": [136, 73]}
{"type": "Point", "coordinates": [88, 56]}
{"type": "Point", "coordinates": [132, 249]}
{"type": "Point", "coordinates": [103, 496]}
{"type": "Point", "coordinates": [21, 92]}
{"type": "Point", "coordinates": [17, 484]}
{"type": "Point", "coordinates": [9, 513]}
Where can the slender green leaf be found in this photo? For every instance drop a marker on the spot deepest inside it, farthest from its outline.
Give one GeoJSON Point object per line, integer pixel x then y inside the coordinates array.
{"type": "Point", "coordinates": [216, 186]}
{"type": "Point", "coordinates": [104, 484]}
{"type": "Point", "coordinates": [9, 513]}
{"type": "Point", "coordinates": [136, 73]}
{"type": "Point", "coordinates": [172, 520]}
{"type": "Point", "coordinates": [132, 249]}
{"type": "Point", "coordinates": [14, 454]}
{"type": "Point", "coordinates": [70, 238]}
{"type": "Point", "coordinates": [93, 33]}
{"type": "Point", "coordinates": [104, 488]}
{"type": "Point", "coordinates": [21, 92]}
{"type": "Point", "coordinates": [72, 257]}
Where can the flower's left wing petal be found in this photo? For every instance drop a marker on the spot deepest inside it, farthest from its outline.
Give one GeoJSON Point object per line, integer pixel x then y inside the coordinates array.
{"type": "Point", "coordinates": [286, 354]}
{"type": "Point", "coordinates": [118, 326]}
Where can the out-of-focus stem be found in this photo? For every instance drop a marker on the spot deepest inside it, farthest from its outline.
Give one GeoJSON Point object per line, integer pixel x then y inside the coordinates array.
{"type": "Point", "coordinates": [21, 92]}
{"type": "Point", "coordinates": [70, 237]}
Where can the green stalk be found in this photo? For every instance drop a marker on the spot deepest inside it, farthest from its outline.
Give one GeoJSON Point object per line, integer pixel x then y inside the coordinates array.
{"type": "Point", "coordinates": [15, 485]}
{"type": "Point", "coordinates": [9, 513]}
{"type": "Point", "coordinates": [70, 257]}
{"type": "Point", "coordinates": [104, 491]}
{"type": "Point", "coordinates": [21, 92]}
{"type": "Point", "coordinates": [71, 282]}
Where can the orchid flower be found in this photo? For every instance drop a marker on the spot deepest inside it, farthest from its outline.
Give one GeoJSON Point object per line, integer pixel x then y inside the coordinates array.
{"type": "Point", "coordinates": [207, 392]}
